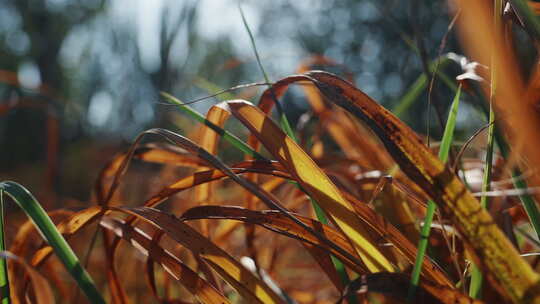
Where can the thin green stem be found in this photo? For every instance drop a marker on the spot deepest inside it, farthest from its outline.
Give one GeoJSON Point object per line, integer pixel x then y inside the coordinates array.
{"type": "Point", "coordinates": [528, 202]}
{"type": "Point", "coordinates": [475, 288]}
{"type": "Point", "coordinates": [231, 138]}
{"type": "Point", "coordinates": [532, 25]}
{"type": "Point", "coordinates": [444, 150]}
{"type": "Point", "coordinates": [285, 125]}
{"type": "Point", "coordinates": [338, 265]}
{"type": "Point", "coordinates": [421, 251]}
{"type": "Point", "coordinates": [253, 44]}
{"type": "Point", "coordinates": [26, 201]}
{"type": "Point", "coordinates": [284, 122]}
{"type": "Point", "coordinates": [420, 85]}
{"type": "Point", "coordinates": [526, 199]}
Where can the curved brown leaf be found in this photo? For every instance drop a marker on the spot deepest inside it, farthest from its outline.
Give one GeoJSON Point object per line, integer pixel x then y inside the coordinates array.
{"type": "Point", "coordinates": [162, 153]}
{"type": "Point", "coordinates": [197, 286]}
{"type": "Point", "coordinates": [208, 140]}
{"type": "Point", "coordinates": [491, 247]}
{"type": "Point", "coordinates": [68, 228]}
{"type": "Point", "coordinates": [313, 180]}
{"type": "Point", "coordinates": [198, 178]}
{"type": "Point", "coordinates": [276, 222]}
{"type": "Point", "coordinates": [264, 196]}
{"type": "Point", "coordinates": [156, 153]}
{"type": "Point", "coordinates": [395, 286]}
{"type": "Point", "coordinates": [248, 285]}
{"type": "Point", "coordinates": [355, 141]}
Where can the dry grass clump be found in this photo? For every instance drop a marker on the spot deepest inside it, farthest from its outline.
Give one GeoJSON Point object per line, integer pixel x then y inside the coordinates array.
{"type": "Point", "coordinates": [297, 221]}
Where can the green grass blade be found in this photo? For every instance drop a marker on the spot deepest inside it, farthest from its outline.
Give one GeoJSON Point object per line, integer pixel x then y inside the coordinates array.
{"type": "Point", "coordinates": [284, 122]}
{"type": "Point", "coordinates": [430, 212]}
{"type": "Point", "coordinates": [4, 279]}
{"type": "Point", "coordinates": [253, 44]}
{"type": "Point", "coordinates": [475, 287]}
{"type": "Point", "coordinates": [240, 145]}
{"type": "Point", "coordinates": [338, 265]}
{"type": "Point", "coordinates": [232, 139]}
{"type": "Point", "coordinates": [421, 84]}
{"type": "Point", "coordinates": [528, 202]}
{"type": "Point", "coordinates": [448, 135]}
{"type": "Point", "coordinates": [411, 96]}
{"type": "Point", "coordinates": [422, 248]}
{"type": "Point", "coordinates": [285, 125]}
{"type": "Point", "coordinates": [26, 201]}
{"type": "Point", "coordinates": [526, 199]}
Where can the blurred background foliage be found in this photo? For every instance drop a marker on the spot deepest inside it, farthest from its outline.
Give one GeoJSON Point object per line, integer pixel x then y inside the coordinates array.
{"type": "Point", "coordinates": [80, 79]}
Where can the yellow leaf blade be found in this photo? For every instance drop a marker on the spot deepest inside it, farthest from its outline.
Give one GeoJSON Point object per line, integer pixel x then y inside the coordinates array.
{"type": "Point", "coordinates": [313, 180]}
